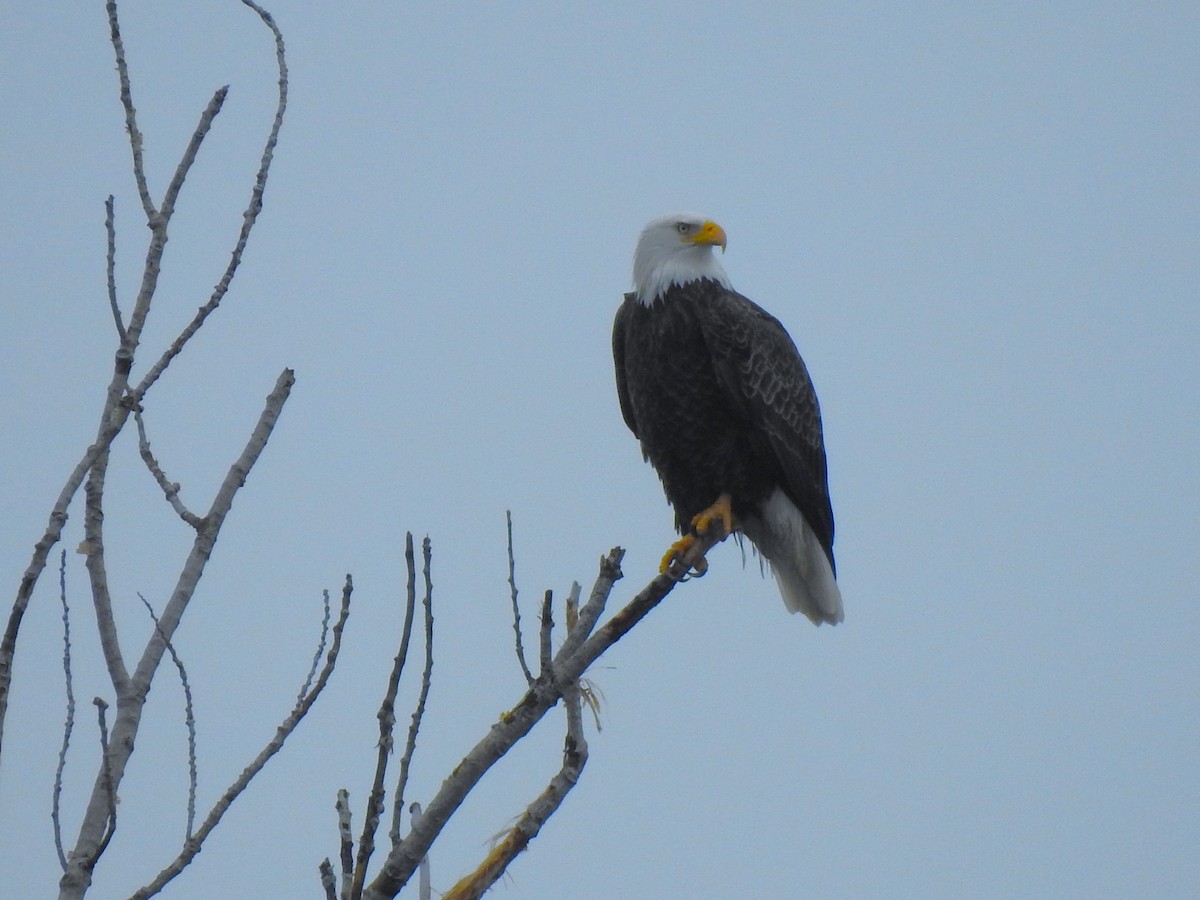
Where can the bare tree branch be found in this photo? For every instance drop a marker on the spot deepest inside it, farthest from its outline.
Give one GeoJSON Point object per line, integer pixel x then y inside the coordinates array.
{"type": "Point", "coordinates": [572, 659]}
{"type": "Point", "coordinates": [111, 266]}
{"type": "Point", "coordinates": [110, 787]}
{"type": "Point", "coordinates": [93, 550]}
{"type": "Point", "coordinates": [575, 753]}
{"type": "Point", "coordinates": [69, 724]}
{"type": "Point", "coordinates": [41, 552]}
{"type": "Point", "coordinates": [328, 880]}
{"type": "Point", "coordinates": [195, 843]}
{"type": "Point", "coordinates": [189, 154]}
{"type": "Point", "coordinates": [118, 399]}
{"type": "Point", "coordinates": [426, 679]}
{"type": "Point", "coordinates": [249, 217]}
{"type": "Point", "coordinates": [387, 721]}
{"type": "Point", "coordinates": [169, 488]}
{"type": "Point", "coordinates": [547, 627]}
{"type": "Point", "coordinates": [135, 136]}
{"type": "Point", "coordinates": [189, 719]}
{"type": "Point", "coordinates": [346, 843]}
{"type": "Point", "coordinates": [316, 660]}
{"type": "Point", "coordinates": [131, 697]}
{"type": "Point", "coordinates": [512, 586]}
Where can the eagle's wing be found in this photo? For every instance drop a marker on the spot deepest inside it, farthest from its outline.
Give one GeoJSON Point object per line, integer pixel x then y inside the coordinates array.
{"type": "Point", "coordinates": [759, 367]}
{"type": "Point", "coordinates": [618, 339]}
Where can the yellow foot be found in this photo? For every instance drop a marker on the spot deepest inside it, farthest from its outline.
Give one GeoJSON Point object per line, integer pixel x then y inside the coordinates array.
{"type": "Point", "coordinates": [673, 562]}
{"type": "Point", "coordinates": [722, 509]}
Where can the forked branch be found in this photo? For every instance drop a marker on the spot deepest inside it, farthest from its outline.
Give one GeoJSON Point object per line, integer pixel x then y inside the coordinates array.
{"type": "Point", "coordinates": [578, 652]}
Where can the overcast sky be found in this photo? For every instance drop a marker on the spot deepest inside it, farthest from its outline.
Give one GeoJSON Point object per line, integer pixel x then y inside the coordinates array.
{"type": "Point", "coordinates": [980, 223]}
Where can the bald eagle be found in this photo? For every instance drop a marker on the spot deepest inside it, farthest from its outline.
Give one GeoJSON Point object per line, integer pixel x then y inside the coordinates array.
{"type": "Point", "coordinates": [717, 394]}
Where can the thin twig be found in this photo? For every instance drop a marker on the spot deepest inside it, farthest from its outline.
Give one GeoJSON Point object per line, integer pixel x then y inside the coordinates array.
{"type": "Point", "coordinates": [316, 660]}
{"type": "Point", "coordinates": [387, 721]}
{"type": "Point", "coordinates": [249, 217]}
{"type": "Point", "coordinates": [193, 148]}
{"type": "Point", "coordinates": [512, 587]}
{"type": "Point", "coordinates": [169, 488]}
{"type": "Point", "coordinates": [69, 724]}
{"type": "Point", "coordinates": [109, 785]}
{"type": "Point", "coordinates": [426, 678]}
{"type": "Point", "coordinates": [111, 266]}
{"type": "Point", "coordinates": [285, 729]}
{"type": "Point", "coordinates": [189, 717]}
{"type": "Point", "coordinates": [410, 564]}
{"type": "Point", "coordinates": [135, 136]}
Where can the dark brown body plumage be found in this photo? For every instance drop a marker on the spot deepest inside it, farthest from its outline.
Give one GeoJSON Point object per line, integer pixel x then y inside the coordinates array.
{"type": "Point", "coordinates": [717, 394]}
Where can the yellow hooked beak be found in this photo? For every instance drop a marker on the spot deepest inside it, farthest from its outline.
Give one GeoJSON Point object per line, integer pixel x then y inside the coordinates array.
{"type": "Point", "coordinates": [712, 234]}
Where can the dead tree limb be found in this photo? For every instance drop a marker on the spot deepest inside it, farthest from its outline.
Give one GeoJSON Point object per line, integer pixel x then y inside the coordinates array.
{"type": "Point", "coordinates": [578, 652]}
{"type": "Point", "coordinates": [195, 843]}
{"type": "Point", "coordinates": [120, 397]}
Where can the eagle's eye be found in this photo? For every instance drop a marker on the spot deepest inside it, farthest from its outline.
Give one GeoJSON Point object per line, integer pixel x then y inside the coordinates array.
{"type": "Point", "coordinates": [683, 227]}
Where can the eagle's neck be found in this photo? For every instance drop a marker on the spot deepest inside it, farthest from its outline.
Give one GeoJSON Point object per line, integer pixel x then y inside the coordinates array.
{"type": "Point", "coordinates": [655, 273]}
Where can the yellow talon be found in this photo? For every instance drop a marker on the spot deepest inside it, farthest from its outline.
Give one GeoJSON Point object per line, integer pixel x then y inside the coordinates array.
{"type": "Point", "coordinates": [722, 509]}
{"type": "Point", "coordinates": [676, 553]}
{"type": "Point", "coordinates": [672, 563]}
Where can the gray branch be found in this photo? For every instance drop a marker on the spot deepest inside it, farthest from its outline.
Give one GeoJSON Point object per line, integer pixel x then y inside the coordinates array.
{"type": "Point", "coordinates": [189, 720]}
{"type": "Point", "coordinates": [69, 724]}
{"type": "Point", "coordinates": [134, 689]}
{"type": "Point", "coordinates": [119, 399]}
{"type": "Point", "coordinates": [512, 587]}
{"type": "Point", "coordinates": [193, 845]}
{"type": "Point", "coordinates": [387, 721]}
{"type": "Point", "coordinates": [410, 745]}
{"type": "Point", "coordinates": [577, 653]}
{"type": "Point", "coordinates": [169, 488]}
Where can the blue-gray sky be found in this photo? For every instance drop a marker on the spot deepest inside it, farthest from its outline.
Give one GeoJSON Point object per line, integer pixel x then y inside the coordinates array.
{"type": "Point", "coordinates": [980, 223]}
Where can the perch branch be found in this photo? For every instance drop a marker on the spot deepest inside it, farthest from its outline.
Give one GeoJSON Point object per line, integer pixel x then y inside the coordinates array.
{"type": "Point", "coordinates": [569, 664]}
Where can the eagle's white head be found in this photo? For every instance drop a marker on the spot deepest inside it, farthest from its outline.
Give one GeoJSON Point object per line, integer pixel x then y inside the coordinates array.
{"type": "Point", "coordinates": [676, 249]}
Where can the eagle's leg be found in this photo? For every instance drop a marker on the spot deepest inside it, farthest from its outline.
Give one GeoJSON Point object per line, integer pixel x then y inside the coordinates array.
{"type": "Point", "coordinates": [672, 562]}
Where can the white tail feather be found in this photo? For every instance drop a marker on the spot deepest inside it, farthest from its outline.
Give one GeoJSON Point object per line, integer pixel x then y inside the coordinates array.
{"type": "Point", "coordinates": [797, 559]}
